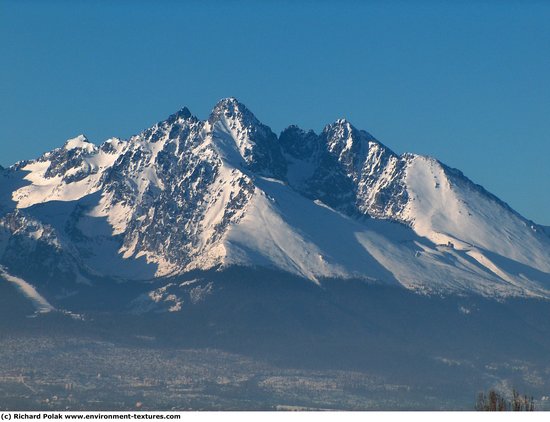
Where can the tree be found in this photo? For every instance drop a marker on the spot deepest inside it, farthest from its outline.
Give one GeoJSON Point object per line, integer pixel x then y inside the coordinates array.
{"type": "Point", "coordinates": [522, 403]}
{"type": "Point", "coordinates": [495, 401]}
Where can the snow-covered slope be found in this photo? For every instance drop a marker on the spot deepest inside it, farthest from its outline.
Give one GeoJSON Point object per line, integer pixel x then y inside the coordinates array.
{"type": "Point", "coordinates": [29, 291]}
{"type": "Point", "coordinates": [188, 194]}
{"type": "Point", "coordinates": [447, 208]}
{"type": "Point", "coordinates": [67, 173]}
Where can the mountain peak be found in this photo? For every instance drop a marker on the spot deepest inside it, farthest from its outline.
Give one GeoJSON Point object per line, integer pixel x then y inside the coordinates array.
{"type": "Point", "coordinates": [228, 102]}
{"type": "Point", "coordinates": [231, 108]}
{"type": "Point", "coordinates": [80, 142]}
{"type": "Point", "coordinates": [299, 143]}
{"type": "Point", "coordinates": [183, 113]}
{"type": "Point", "coordinates": [341, 136]}
{"type": "Point", "coordinates": [253, 141]}
{"type": "Point", "coordinates": [342, 122]}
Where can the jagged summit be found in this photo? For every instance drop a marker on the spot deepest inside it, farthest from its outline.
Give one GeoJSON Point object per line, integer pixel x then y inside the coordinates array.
{"type": "Point", "coordinates": [231, 110]}
{"type": "Point", "coordinates": [187, 194]}
{"type": "Point", "coordinates": [183, 114]}
{"type": "Point", "coordinates": [231, 107]}
{"type": "Point", "coordinates": [238, 133]}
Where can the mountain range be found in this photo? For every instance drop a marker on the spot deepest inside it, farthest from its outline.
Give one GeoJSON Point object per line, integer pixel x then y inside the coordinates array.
{"type": "Point", "coordinates": [188, 195]}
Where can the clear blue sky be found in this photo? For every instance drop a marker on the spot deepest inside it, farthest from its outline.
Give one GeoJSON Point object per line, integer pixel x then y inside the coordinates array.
{"type": "Point", "coordinates": [467, 82]}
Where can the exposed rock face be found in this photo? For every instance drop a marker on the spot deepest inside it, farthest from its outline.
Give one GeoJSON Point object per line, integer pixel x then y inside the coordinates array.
{"type": "Point", "coordinates": [189, 194]}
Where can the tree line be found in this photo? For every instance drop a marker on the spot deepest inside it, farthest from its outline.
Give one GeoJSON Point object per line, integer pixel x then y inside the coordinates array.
{"type": "Point", "coordinates": [495, 401]}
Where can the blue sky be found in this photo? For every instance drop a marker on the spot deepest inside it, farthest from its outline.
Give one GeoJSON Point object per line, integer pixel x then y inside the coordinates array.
{"type": "Point", "coordinates": [467, 82]}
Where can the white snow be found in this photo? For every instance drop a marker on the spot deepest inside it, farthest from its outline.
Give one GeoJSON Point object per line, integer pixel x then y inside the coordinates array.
{"type": "Point", "coordinates": [44, 189]}
{"type": "Point", "coordinates": [300, 236]}
{"type": "Point", "coordinates": [41, 304]}
{"type": "Point", "coordinates": [80, 142]}
{"type": "Point", "coordinates": [474, 242]}
{"type": "Point", "coordinates": [460, 238]}
{"type": "Point", "coordinates": [446, 211]}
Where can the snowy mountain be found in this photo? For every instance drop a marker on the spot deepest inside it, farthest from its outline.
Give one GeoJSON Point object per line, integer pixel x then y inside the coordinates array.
{"type": "Point", "coordinates": [188, 195]}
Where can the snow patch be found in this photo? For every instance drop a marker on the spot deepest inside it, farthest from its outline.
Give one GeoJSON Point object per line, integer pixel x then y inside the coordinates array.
{"type": "Point", "coordinates": [41, 304]}
{"type": "Point", "coordinates": [80, 142]}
